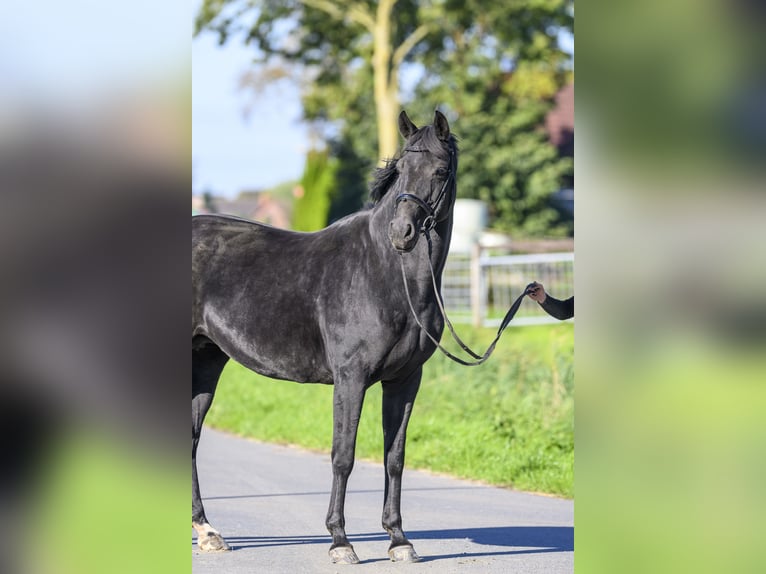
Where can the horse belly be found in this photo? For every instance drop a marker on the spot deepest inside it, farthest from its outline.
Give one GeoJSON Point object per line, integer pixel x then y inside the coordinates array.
{"type": "Point", "coordinates": [273, 347]}
{"type": "Point", "coordinates": [273, 367]}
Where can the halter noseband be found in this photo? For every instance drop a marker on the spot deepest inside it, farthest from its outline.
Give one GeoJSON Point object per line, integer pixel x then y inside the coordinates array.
{"type": "Point", "coordinates": [430, 221]}
{"type": "Point", "coordinates": [430, 209]}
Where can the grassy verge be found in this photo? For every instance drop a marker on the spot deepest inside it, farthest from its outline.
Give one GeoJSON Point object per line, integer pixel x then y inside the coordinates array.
{"type": "Point", "coordinates": [509, 422]}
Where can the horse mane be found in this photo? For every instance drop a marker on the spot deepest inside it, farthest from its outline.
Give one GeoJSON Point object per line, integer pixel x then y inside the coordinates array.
{"type": "Point", "coordinates": [426, 140]}
{"type": "Point", "coordinates": [383, 178]}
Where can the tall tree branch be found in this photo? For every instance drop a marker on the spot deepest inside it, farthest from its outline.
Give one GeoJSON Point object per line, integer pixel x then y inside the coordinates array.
{"type": "Point", "coordinates": [408, 44]}
{"type": "Point", "coordinates": [355, 12]}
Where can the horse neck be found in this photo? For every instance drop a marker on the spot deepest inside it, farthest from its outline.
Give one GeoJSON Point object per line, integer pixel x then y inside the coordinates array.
{"type": "Point", "coordinates": [442, 232]}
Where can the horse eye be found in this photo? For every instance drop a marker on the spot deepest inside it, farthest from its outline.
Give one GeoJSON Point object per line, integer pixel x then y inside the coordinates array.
{"type": "Point", "coordinates": [441, 172]}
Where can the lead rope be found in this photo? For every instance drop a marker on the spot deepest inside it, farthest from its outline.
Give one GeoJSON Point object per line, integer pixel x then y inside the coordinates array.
{"type": "Point", "coordinates": [479, 358]}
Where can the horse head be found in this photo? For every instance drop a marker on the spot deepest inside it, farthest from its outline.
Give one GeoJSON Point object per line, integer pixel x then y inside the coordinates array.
{"type": "Point", "coordinates": [425, 180]}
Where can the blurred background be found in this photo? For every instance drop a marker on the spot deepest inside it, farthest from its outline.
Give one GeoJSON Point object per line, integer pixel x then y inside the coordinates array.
{"type": "Point", "coordinates": [95, 169]}
{"type": "Point", "coordinates": [96, 162]}
{"type": "Point", "coordinates": [670, 395]}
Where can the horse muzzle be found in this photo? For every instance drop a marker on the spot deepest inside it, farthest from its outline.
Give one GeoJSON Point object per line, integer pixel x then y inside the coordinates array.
{"type": "Point", "coordinates": [403, 234]}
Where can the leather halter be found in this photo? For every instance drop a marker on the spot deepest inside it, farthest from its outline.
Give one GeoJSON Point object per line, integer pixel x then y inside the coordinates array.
{"type": "Point", "coordinates": [427, 226]}
{"type": "Point", "coordinates": [429, 208]}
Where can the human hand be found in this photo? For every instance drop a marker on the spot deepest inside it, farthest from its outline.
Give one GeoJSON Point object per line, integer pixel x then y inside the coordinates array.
{"type": "Point", "coordinates": [536, 292]}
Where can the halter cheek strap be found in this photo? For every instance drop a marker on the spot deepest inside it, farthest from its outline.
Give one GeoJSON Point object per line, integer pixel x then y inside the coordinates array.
{"type": "Point", "coordinates": [430, 220]}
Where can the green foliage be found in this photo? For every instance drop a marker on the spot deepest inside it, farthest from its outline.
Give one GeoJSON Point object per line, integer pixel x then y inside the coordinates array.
{"type": "Point", "coordinates": [509, 422]}
{"type": "Point", "coordinates": [318, 182]}
{"type": "Point", "coordinates": [345, 110]}
{"type": "Point", "coordinates": [508, 162]}
{"type": "Point", "coordinates": [350, 178]}
{"type": "Point", "coordinates": [209, 202]}
{"type": "Point", "coordinates": [493, 67]}
{"type": "Point", "coordinates": [498, 75]}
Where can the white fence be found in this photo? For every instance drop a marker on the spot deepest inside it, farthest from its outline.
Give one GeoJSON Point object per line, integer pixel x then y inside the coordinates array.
{"type": "Point", "coordinates": [479, 288]}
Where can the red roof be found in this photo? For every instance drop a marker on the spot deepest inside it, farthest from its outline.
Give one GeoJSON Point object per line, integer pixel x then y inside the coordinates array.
{"type": "Point", "coordinates": [559, 123]}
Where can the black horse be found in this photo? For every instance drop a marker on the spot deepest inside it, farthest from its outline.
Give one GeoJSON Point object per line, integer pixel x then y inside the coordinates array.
{"type": "Point", "coordinates": [330, 307]}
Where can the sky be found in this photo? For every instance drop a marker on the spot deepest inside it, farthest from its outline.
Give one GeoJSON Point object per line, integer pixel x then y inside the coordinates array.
{"type": "Point", "coordinates": [230, 152]}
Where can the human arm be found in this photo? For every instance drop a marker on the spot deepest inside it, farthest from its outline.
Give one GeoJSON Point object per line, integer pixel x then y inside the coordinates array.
{"type": "Point", "coordinates": [554, 307]}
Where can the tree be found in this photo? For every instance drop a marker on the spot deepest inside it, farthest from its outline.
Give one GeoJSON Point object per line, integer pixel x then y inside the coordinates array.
{"type": "Point", "coordinates": [495, 66]}
{"type": "Point", "coordinates": [208, 201]}
{"type": "Point", "coordinates": [499, 73]}
{"type": "Point", "coordinates": [316, 187]}
{"type": "Point", "coordinates": [324, 33]}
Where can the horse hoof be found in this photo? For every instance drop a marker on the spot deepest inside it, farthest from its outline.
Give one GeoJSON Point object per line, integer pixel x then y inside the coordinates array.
{"type": "Point", "coordinates": [343, 555]}
{"type": "Point", "coordinates": [403, 554]}
{"type": "Point", "coordinates": [212, 542]}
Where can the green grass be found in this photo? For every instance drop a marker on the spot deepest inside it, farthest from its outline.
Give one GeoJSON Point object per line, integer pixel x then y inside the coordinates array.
{"type": "Point", "coordinates": [509, 422]}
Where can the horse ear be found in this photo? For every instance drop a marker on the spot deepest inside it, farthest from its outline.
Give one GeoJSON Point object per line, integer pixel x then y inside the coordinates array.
{"type": "Point", "coordinates": [442, 126]}
{"type": "Point", "coordinates": [406, 127]}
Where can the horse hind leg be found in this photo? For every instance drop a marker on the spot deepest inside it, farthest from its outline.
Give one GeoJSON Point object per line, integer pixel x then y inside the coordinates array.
{"type": "Point", "coordinates": [398, 399]}
{"type": "Point", "coordinates": [207, 363]}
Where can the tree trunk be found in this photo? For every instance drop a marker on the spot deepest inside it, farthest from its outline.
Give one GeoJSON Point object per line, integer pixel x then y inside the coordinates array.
{"type": "Point", "coordinates": [386, 85]}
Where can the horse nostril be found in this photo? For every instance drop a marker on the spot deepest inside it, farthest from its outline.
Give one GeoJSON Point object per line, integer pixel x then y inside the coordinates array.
{"type": "Point", "coordinates": [409, 232]}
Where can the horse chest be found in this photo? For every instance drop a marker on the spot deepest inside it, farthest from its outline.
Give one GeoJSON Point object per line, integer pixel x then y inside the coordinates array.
{"type": "Point", "coordinates": [409, 347]}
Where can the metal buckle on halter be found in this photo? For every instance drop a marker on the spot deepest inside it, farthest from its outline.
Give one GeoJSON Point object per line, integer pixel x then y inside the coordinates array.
{"type": "Point", "coordinates": [428, 224]}
{"type": "Point", "coordinates": [429, 221]}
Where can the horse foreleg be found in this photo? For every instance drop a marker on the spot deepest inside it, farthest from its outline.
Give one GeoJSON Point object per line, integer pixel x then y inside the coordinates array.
{"type": "Point", "coordinates": [398, 398]}
{"type": "Point", "coordinates": [348, 396]}
{"type": "Point", "coordinates": [207, 364]}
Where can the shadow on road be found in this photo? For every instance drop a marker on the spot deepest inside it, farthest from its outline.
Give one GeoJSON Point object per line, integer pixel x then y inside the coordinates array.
{"type": "Point", "coordinates": [523, 540]}
{"type": "Point", "coordinates": [559, 538]}
{"type": "Point", "coordinates": [327, 493]}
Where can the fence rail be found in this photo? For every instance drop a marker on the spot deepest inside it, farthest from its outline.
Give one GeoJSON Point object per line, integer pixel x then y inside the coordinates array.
{"type": "Point", "coordinates": [479, 288]}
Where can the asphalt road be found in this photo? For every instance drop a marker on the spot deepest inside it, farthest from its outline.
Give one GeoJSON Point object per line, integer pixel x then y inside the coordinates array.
{"type": "Point", "coordinates": [269, 502]}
